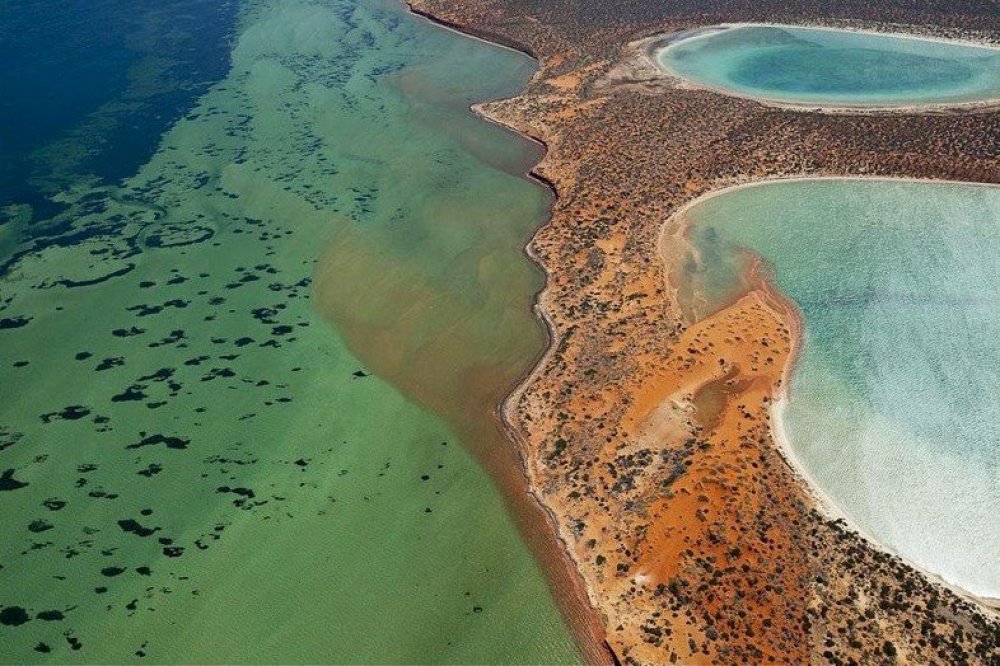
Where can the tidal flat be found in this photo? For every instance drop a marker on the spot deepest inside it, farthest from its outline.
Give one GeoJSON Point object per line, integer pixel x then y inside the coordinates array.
{"type": "Point", "coordinates": [196, 466]}
{"type": "Point", "coordinates": [830, 67]}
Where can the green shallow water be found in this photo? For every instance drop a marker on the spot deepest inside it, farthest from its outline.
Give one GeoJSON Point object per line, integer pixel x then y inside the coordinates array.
{"type": "Point", "coordinates": [201, 469]}
{"type": "Point", "coordinates": [836, 67]}
{"type": "Point", "coordinates": [893, 406]}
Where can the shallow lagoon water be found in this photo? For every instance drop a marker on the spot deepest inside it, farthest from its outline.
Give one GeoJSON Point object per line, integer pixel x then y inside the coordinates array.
{"type": "Point", "coordinates": [196, 466]}
{"type": "Point", "coordinates": [813, 66]}
{"type": "Point", "coordinates": [893, 405]}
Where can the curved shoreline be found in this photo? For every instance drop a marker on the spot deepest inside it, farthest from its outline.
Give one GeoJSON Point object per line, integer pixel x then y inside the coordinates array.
{"type": "Point", "coordinates": [492, 39]}
{"type": "Point", "coordinates": [652, 47]}
{"type": "Point", "coordinates": [592, 629]}
{"type": "Point", "coordinates": [508, 412]}
{"type": "Point", "coordinates": [676, 225]}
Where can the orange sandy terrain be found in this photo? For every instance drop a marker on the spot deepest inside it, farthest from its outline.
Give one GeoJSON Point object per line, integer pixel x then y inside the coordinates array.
{"type": "Point", "coordinates": [710, 402]}
{"type": "Point", "coordinates": [647, 435]}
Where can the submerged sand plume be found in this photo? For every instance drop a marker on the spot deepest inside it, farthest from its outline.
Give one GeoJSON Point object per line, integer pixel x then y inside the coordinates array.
{"type": "Point", "coordinates": [196, 467]}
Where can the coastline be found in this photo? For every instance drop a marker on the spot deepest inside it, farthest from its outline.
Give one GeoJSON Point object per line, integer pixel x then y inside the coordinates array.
{"type": "Point", "coordinates": [542, 112]}
{"type": "Point", "coordinates": [584, 621]}
{"type": "Point", "coordinates": [650, 49]}
{"type": "Point", "coordinates": [506, 414]}
{"type": "Point", "coordinates": [491, 38]}
{"type": "Point", "coordinates": [786, 309]}
{"type": "Point", "coordinates": [424, 572]}
{"type": "Point", "coordinates": [415, 469]}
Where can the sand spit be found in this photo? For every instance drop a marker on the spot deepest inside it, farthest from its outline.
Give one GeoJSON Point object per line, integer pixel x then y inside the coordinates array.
{"type": "Point", "coordinates": [673, 238]}
{"type": "Point", "coordinates": [649, 439]}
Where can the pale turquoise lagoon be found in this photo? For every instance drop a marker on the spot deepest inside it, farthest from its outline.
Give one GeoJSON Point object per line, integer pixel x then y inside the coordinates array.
{"type": "Point", "coordinates": [828, 67]}
{"type": "Point", "coordinates": [894, 403]}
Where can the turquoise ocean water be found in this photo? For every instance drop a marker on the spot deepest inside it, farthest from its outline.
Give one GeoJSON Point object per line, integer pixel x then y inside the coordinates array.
{"type": "Point", "coordinates": [195, 464]}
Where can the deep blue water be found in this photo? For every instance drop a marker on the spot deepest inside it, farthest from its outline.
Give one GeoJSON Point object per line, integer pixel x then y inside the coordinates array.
{"type": "Point", "coordinates": [90, 85]}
